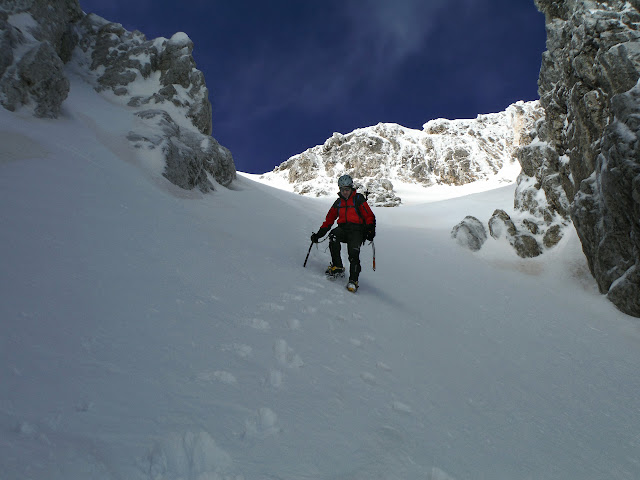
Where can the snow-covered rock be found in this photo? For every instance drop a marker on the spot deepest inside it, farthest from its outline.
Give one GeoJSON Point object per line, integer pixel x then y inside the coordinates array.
{"type": "Point", "coordinates": [502, 226]}
{"type": "Point", "coordinates": [451, 152]}
{"type": "Point", "coordinates": [35, 41]}
{"type": "Point", "coordinates": [583, 166]}
{"type": "Point", "coordinates": [470, 233]}
{"type": "Point", "coordinates": [590, 162]}
{"type": "Point", "coordinates": [37, 79]}
{"type": "Point", "coordinates": [42, 42]}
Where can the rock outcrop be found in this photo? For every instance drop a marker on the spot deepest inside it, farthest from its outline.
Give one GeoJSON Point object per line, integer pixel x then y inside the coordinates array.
{"type": "Point", "coordinates": [35, 41]}
{"type": "Point", "coordinates": [583, 165]}
{"type": "Point", "coordinates": [451, 152]}
{"type": "Point", "coordinates": [589, 88]}
{"type": "Point", "coordinates": [470, 233]}
{"type": "Point", "coordinates": [525, 244]}
{"type": "Point", "coordinates": [39, 38]}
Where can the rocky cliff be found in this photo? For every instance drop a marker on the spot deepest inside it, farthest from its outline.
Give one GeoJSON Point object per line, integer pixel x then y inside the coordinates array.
{"type": "Point", "coordinates": [452, 152]}
{"type": "Point", "coordinates": [156, 79]}
{"type": "Point", "coordinates": [583, 165]}
{"type": "Point", "coordinates": [590, 139]}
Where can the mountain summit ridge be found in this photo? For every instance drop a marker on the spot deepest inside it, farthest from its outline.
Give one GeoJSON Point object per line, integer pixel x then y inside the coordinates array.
{"type": "Point", "coordinates": [445, 152]}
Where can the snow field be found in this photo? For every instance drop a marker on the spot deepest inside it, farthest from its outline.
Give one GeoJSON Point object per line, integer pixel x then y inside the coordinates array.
{"type": "Point", "coordinates": [153, 333]}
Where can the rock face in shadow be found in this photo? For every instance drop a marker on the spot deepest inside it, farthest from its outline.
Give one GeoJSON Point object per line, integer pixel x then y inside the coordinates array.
{"type": "Point", "coordinates": [157, 79]}
{"type": "Point", "coordinates": [582, 167]}
{"type": "Point", "coordinates": [36, 39]}
{"type": "Point", "coordinates": [589, 88]}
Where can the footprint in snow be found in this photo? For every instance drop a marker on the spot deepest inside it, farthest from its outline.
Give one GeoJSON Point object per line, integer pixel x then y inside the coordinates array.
{"type": "Point", "coordinates": [190, 454]}
{"type": "Point", "coordinates": [332, 301]}
{"type": "Point", "coordinates": [290, 297]}
{"type": "Point", "coordinates": [285, 355]}
{"type": "Point", "coordinates": [274, 379]}
{"type": "Point", "coordinates": [368, 378]}
{"type": "Point", "coordinates": [305, 290]}
{"type": "Point", "coordinates": [217, 376]}
{"type": "Point", "coordinates": [271, 307]}
{"type": "Point", "coordinates": [383, 366]}
{"type": "Point", "coordinates": [240, 349]}
{"type": "Point", "coordinates": [402, 407]}
{"type": "Point", "coordinates": [263, 423]}
{"type": "Point", "coordinates": [294, 324]}
{"type": "Point", "coordinates": [309, 310]}
{"type": "Point", "coordinates": [257, 323]}
{"type": "Point", "coordinates": [314, 284]}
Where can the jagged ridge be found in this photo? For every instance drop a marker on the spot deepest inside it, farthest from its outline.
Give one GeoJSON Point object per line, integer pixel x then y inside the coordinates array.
{"type": "Point", "coordinates": [453, 152]}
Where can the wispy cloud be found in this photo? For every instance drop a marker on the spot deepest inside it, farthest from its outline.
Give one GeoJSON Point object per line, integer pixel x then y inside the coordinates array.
{"type": "Point", "coordinates": [374, 39]}
{"type": "Point", "coordinates": [389, 32]}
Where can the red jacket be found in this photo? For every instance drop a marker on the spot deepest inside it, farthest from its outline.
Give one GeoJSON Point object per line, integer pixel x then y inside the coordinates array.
{"type": "Point", "coordinates": [345, 211]}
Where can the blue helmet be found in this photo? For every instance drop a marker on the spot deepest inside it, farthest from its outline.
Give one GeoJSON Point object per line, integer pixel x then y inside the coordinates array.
{"type": "Point", "coordinates": [345, 181]}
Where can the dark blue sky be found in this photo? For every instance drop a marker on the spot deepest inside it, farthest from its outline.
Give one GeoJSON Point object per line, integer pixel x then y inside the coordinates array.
{"type": "Point", "coordinates": [284, 75]}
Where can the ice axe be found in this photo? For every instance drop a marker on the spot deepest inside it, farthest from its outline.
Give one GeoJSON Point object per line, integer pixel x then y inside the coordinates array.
{"type": "Point", "coordinates": [307, 257]}
{"type": "Point", "coordinates": [373, 245]}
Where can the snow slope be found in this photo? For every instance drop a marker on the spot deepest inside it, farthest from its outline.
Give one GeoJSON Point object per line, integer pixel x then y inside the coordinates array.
{"type": "Point", "coordinates": [153, 333]}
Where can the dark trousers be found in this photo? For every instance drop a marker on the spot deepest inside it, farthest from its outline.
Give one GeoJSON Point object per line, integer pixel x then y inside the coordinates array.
{"type": "Point", "coordinates": [353, 235]}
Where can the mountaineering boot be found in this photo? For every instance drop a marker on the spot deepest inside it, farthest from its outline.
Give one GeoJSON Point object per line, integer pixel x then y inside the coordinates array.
{"type": "Point", "coordinates": [334, 272]}
{"type": "Point", "coordinates": [352, 286]}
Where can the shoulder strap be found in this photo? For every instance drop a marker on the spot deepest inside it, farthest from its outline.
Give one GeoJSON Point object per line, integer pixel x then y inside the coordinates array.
{"type": "Point", "coordinates": [336, 205]}
{"type": "Point", "coordinates": [357, 202]}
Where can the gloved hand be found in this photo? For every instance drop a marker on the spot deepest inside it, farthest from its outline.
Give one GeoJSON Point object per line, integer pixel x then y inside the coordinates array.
{"type": "Point", "coordinates": [370, 233]}
{"type": "Point", "coordinates": [317, 236]}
